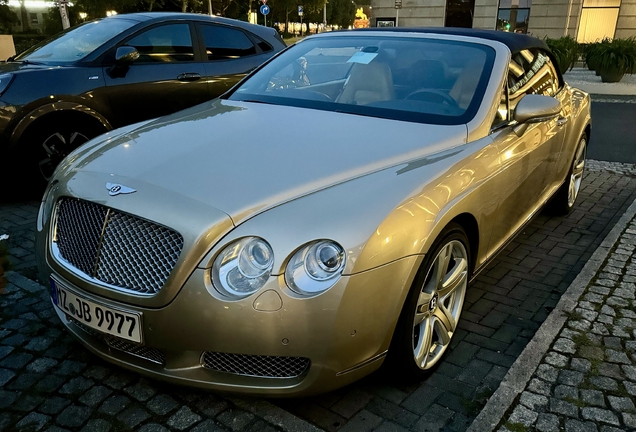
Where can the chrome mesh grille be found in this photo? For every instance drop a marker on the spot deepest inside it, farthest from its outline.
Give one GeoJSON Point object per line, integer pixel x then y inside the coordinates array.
{"type": "Point", "coordinates": [151, 354]}
{"type": "Point", "coordinates": [255, 365]}
{"type": "Point", "coordinates": [114, 247]}
{"type": "Point", "coordinates": [79, 229]}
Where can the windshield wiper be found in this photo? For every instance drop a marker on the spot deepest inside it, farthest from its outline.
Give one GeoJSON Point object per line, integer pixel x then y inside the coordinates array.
{"type": "Point", "coordinates": [256, 101]}
{"type": "Point", "coordinates": [29, 62]}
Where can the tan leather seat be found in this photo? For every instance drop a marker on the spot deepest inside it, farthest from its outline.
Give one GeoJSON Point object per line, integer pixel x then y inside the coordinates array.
{"type": "Point", "coordinates": [466, 84]}
{"type": "Point", "coordinates": [368, 83]}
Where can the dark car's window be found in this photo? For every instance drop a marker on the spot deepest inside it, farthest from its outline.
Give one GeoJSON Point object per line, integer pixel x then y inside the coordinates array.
{"type": "Point", "coordinates": [531, 72]}
{"type": "Point", "coordinates": [264, 46]}
{"type": "Point", "coordinates": [77, 42]}
{"type": "Point", "coordinates": [165, 44]}
{"type": "Point", "coordinates": [406, 78]}
{"type": "Point", "coordinates": [222, 43]}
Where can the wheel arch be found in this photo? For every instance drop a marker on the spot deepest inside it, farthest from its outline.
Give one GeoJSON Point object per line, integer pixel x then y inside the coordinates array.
{"type": "Point", "coordinates": [469, 223]}
{"type": "Point", "coordinates": [58, 110]}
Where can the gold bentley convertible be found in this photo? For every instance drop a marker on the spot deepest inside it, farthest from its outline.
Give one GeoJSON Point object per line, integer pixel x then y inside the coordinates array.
{"type": "Point", "coordinates": [323, 217]}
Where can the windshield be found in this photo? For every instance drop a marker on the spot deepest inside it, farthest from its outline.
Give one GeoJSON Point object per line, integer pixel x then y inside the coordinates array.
{"type": "Point", "coordinates": [76, 43]}
{"type": "Point", "coordinates": [405, 78]}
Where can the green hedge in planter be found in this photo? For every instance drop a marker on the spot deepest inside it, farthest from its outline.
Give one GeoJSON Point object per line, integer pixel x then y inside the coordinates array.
{"type": "Point", "coordinates": [612, 60]}
{"type": "Point", "coordinates": [591, 49]}
{"type": "Point", "coordinates": [566, 51]}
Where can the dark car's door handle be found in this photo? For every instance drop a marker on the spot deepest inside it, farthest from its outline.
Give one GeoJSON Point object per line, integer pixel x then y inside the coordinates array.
{"type": "Point", "coordinates": [189, 76]}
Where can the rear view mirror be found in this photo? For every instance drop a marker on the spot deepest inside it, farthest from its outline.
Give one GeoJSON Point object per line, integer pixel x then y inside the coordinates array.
{"type": "Point", "coordinates": [536, 108]}
{"type": "Point", "coordinates": [126, 55]}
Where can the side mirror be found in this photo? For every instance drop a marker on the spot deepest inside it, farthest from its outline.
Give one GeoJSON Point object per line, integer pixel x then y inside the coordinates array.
{"type": "Point", "coordinates": [126, 55]}
{"type": "Point", "coordinates": [535, 108]}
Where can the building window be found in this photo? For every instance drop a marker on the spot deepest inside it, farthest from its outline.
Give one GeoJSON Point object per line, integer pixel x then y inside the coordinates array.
{"type": "Point", "coordinates": [513, 15]}
{"type": "Point", "coordinates": [34, 18]}
{"type": "Point", "coordinates": [459, 13]}
{"type": "Point", "coordinates": [598, 20]}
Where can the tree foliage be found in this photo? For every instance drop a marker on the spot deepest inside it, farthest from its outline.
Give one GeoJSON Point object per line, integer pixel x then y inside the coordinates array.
{"type": "Point", "coordinates": [8, 18]}
{"type": "Point", "coordinates": [339, 12]}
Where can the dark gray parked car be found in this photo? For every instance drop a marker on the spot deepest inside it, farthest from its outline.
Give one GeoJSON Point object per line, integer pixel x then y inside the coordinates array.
{"type": "Point", "coordinates": [116, 71]}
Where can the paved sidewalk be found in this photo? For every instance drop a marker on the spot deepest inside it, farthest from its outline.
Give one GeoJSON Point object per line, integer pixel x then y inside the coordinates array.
{"type": "Point", "coordinates": [586, 380]}
{"type": "Point", "coordinates": [587, 81]}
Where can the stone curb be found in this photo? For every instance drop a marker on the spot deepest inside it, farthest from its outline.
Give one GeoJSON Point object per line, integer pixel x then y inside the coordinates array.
{"type": "Point", "coordinates": [521, 371]}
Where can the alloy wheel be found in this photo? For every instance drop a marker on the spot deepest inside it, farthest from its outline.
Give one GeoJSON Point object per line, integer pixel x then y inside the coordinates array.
{"type": "Point", "coordinates": [578, 166]}
{"type": "Point", "coordinates": [56, 147]}
{"type": "Point", "coordinates": [439, 304]}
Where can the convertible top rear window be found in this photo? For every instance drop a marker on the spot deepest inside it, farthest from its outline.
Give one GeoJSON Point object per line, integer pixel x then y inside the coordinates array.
{"type": "Point", "coordinates": [403, 78]}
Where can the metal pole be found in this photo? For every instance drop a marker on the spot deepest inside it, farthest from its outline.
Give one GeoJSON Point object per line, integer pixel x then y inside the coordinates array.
{"type": "Point", "coordinates": [64, 15]}
{"type": "Point", "coordinates": [397, 17]}
{"type": "Point", "coordinates": [210, 7]}
{"type": "Point", "coordinates": [324, 17]}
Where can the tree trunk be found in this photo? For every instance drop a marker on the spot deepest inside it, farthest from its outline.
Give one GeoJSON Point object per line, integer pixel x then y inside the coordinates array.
{"type": "Point", "coordinates": [286, 19]}
{"type": "Point", "coordinates": [24, 17]}
{"type": "Point", "coordinates": [184, 5]}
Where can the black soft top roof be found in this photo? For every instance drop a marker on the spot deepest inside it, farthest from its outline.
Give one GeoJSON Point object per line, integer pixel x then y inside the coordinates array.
{"type": "Point", "coordinates": [514, 41]}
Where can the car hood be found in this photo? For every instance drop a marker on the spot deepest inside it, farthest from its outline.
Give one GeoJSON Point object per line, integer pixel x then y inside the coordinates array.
{"type": "Point", "coordinates": [16, 67]}
{"type": "Point", "coordinates": [243, 158]}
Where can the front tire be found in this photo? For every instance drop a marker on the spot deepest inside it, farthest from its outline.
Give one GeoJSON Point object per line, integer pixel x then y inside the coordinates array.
{"type": "Point", "coordinates": [433, 306]}
{"type": "Point", "coordinates": [54, 143]}
{"type": "Point", "coordinates": [45, 145]}
{"type": "Point", "coordinates": [565, 197]}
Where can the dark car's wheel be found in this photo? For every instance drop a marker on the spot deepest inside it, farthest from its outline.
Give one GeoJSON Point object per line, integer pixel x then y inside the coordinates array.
{"type": "Point", "coordinates": [56, 143]}
{"type": "Point", "coordinates": [565, 197]}
{"type": "Point", "coordinates": [433, 306]}
{"type": "Point", "coordinates": [45, 145]}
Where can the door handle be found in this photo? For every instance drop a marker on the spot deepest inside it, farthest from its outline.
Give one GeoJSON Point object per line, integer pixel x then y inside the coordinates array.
{"type": "Point", "coordinates": [562, 121]}
{"type": "Point", "coordinates": [189, 76]}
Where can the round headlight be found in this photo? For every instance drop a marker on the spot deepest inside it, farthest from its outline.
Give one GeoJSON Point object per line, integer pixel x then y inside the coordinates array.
{"type": "Point", "coordinates": [316, 267]}
{"type": "Point", "coordinates": [243, 267]}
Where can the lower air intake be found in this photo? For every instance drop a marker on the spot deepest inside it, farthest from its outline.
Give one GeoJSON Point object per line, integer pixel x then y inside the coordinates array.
{"type": "Point", "coordinates": [255, 365]}
{"type": "Point", "coordinates": [151, 354]}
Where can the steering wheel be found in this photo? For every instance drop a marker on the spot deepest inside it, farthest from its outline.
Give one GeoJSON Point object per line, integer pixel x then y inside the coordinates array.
{"type": "Point", "coordinates": [434, 95]}
{"type": "Point", "coordinates": [315, 95]}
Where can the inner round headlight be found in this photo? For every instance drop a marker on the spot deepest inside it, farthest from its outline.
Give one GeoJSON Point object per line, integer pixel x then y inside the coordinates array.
{"type": "Point", "coordinates": [243, 267]}
{"type": "Point", "coordinates": [316, 267]}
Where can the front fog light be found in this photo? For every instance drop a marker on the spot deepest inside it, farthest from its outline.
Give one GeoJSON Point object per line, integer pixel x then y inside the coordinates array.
{"type": "Point", "coordinates": [315, 268]}
{"type": "Point", "coordinates": [243, 267]}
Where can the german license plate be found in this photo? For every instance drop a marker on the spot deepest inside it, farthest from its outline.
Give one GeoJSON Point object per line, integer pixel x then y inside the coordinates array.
{"type": "Point", "coordinates": [115, 322]}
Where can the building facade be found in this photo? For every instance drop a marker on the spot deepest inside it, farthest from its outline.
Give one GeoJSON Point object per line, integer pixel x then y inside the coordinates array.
{"type": "Point", "coordinates": [584, 20]}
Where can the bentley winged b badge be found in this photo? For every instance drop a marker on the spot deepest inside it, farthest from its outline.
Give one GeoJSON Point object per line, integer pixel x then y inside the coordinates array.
{"type": "Point", "coordinates": [116, 189]}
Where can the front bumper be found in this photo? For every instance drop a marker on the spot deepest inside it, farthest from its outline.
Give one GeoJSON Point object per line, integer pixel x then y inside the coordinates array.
{"type": "Point", "coordinates": [345, 332]}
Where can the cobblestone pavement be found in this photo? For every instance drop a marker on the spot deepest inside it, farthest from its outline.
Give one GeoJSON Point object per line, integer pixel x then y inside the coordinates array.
{"type": "Point", "coordinates": [587, 380]}
{"type": "Point", "coordinates": [47, 378]}
{"type": "Point", "coordinates": [49, 382]}
{"type": "Point", "coordinates": [17, 219]}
